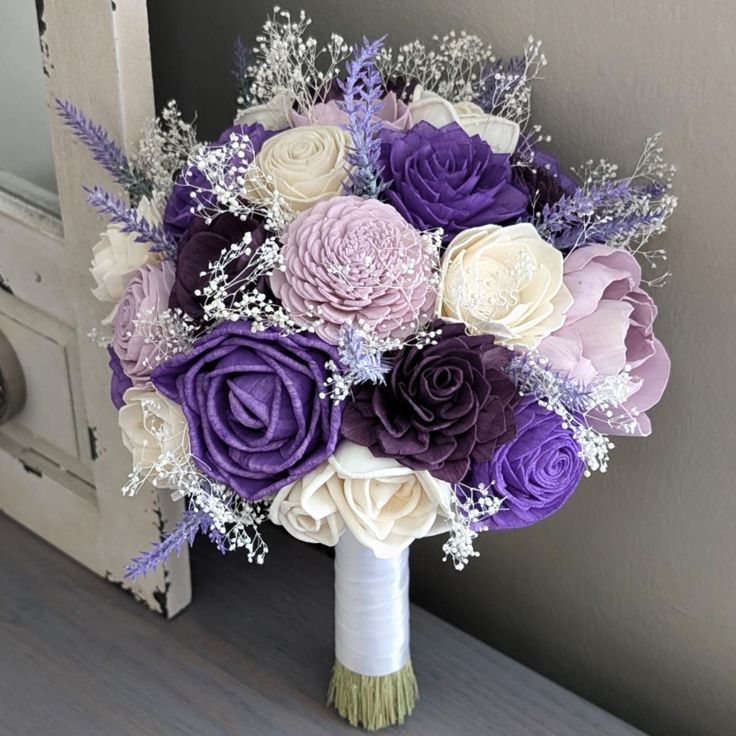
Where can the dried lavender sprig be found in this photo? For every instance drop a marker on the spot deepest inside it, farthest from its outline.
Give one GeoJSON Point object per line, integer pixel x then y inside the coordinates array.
{"type": "Point", "coordinates": [131, 221]}
{"type": "Point", "coordinates": [185, 531]}
{"type": "Point", "coordinates": [105, 151]}
{"type": "Point", "coordinates": [362, 92]}
{"type": "Point", "coordinates": [364, 366]}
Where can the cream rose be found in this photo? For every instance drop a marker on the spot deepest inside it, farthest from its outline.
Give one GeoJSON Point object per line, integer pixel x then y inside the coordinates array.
{"type": "Point", "coordinates": [272, 115]}
{"type": "Point", "coordinates": [505, 281]}
{"type": "Point", "coordinates": [117, 256]}
{"type": "Point", "coordinates": [304, 165]}
{"type": "Point", "coordinates": [500, 134]}
{"type": "Point", "coordinates": [306, 510]}
{"type": "Point", "coordinates": [154, 430]}
{"type": "Point", "coordinates": [385, 505]}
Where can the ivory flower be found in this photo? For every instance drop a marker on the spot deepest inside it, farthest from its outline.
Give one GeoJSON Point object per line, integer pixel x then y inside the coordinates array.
{"type": "Point", "coordinates": [306, 509]}
{"type": "Point", "coordinates": [272, 115]}
{"type": "Point", "coordinates": [117, 256]}
{"type": "Point", "coordinates": [384, 504]}
{"type": "Point", "coordinates": [504, 281]}
{"type": "Point", "coordinates": [154, 430]}
{"type": "Point", "coordinates": [304, 165]}
{"type": "Point", "coordinates": [500, 134]}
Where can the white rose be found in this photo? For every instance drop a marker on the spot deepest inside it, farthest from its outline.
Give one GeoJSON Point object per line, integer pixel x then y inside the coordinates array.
{"type": "Point", "coordinates": [154, 430]}
{"type": "Point", "coordinates": [500, 134]}
{"type": "Point", "coordinates": [117, 255]}
{"type": "Point", "coordinates": [306, 509]}
{"type": "Point", "coordinates": [304, 165]}
{"type": "Point", "coordinates": [272, 115]}
{"type": "Point", "coordinates": [504, 281]}
{"type": "Point", "coordinates": [385, 505]}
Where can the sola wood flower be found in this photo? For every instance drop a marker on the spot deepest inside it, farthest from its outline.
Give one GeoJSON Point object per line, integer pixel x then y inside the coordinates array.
{"type": "Point", "coordinates": [534, 473]}
{"type": "Point", "coordinates": [384, 504]}
{"type": "Point", "coordinates": [138, 335]}
{"type": "Point", "coordinates": [506, 282]}
{"type": "Point", "coordinates": [445, 178]}
{"type": "Point", "coordinates": [500, 134]}
{"type": "Point", "coordinates": [393, 114]}
{"type": "Point", "coordinates": [251, 399]}
{"type": "Point", "coordinates": [154, 430]}
{"type": "Point", "coordinates": [608, 331]}
{"type": "Point", "coordinates": [117, 256]}
{"type": "Point", "coordinates": [356, 261]}
{"type": "Point", "coordinates": [440, 407]}
{"type": "Point", "coordinates": [304, 165]}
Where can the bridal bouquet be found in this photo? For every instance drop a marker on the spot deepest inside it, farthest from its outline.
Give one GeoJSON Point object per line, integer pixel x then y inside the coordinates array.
{"type": "Point", "coordinates": [374, 310]}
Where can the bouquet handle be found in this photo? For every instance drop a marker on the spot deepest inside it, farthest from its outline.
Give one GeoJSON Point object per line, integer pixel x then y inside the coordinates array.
{"type": "Point", "coordinates": [373, 683]}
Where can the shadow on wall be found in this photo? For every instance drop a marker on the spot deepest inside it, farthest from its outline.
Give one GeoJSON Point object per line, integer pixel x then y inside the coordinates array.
{"type": "Point", "coordinates": [627, 595]}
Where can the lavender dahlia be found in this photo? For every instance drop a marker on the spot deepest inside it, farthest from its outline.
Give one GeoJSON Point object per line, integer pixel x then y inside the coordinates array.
{"type": "Point", "coordinates": [535, 472]}
{"type": "Point", "coordinates": [444, 178]}
{"type": "Point", "coordinates": [252, 402]}
{"type": "Point", "coordinates": [356, 261]}
{"type": "Point", "coordinates": [441, 406]}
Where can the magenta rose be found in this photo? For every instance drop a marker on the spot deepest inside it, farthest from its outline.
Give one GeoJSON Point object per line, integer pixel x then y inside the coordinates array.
{"type": "Point", "coordinates": [356, 261]}
{"type": "Point", "coordinates": [608, 327]}
{"type": "Point", "coordinates": [137, 333]}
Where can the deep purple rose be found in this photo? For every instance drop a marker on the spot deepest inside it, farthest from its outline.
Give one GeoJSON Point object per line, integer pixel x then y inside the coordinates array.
{"type": "Point", "coordinates": [201, 246]}
{"type": "Point", "coordinates": [543, 181]}
{"type": "Point", "coordinates": [178, 216]}
{"type": "Point", "coordinates": [442, 177]}
{"type": "Point", "coordinates": [441, 407]}
{"type": "Point", "coordinates": [536, 472]}
{"type": "Point", "coordinates": [119, 382]}
{"type": "Point", "coordinates": [251, 399]}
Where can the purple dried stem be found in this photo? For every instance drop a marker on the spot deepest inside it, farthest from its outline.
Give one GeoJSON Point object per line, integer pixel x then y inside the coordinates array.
{"type": "Point", "coordinates": [131, 221]}
{"type": "Point", "coordinates": [362, 92]}
{"type": "Point", "coordinates": [185, 531]}
{"type": "Point", "coordinates": [105, 151]}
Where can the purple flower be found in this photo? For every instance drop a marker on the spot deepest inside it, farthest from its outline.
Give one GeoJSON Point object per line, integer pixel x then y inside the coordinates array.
{"type": "Point", "coordinates": [543, 181]}
{"type": "Point", "coordinates": [202, 245]}
{"type": "Point", "coordinates": [441, 406]}
{"type": "Point", "coordinates": [536, 472]}
{"type": "Point", "coordinates": [442, 177]}
{"type": "Point", "coordinates": [251, 399]}
{"type": "Point", "coordinates": [178, 216]}
{"type": "Point", "coordinates": [119, 382]}
{"type": "Point", "coordinates": [137, 334]}
{"type": "Point", "coordinates": [355, 261]}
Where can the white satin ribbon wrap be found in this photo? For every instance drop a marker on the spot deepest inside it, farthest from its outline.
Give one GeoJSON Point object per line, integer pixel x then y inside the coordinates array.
{"type": "Point", "coordinates": [371, 609]}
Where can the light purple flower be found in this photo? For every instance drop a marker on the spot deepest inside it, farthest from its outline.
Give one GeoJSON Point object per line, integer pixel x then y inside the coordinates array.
{"type": "Point", "coordinates": [608, 327]}
{"type": "Point", "coordinates": [394, 114]}
{"type": "Point", "coordinates": [356, 261]}
{"type": "Point", "coordinates": [137, 334]}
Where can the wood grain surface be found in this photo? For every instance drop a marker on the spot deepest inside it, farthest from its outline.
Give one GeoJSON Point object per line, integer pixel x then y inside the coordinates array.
{"type": "Point", "coordinates": [250, 657]}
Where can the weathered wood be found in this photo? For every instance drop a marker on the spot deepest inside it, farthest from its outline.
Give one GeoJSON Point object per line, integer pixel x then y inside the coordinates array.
{"type": "Point", "coordinates": [251, 657]}
{"type": "Point", "coordinates": [96, 54]}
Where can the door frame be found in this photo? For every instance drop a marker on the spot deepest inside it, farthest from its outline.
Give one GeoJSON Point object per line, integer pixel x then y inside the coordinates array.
{"type": "Point", "coordinates": [96, 54]}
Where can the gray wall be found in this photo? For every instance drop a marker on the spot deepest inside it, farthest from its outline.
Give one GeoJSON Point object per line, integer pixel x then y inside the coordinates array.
{"type": "Point", "coordinates": [628, 596]}
{"type": "Point", "coordinates": [25, 136]}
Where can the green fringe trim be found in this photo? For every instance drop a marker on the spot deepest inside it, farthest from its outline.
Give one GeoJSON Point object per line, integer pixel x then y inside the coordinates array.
{"type": "Point", "coordinates": [373, 702]}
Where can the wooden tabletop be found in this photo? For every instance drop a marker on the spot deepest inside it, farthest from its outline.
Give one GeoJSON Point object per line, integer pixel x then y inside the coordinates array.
{"type": "Point", "coordinates": [250, 657]}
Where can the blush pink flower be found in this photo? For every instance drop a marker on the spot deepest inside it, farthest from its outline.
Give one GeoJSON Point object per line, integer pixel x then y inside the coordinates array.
{"type": "Point", "coordinates": [394, 114]}
{"type": "Point", "coordinates": [356, 261]}
{"type": "Point", "coordinates": [609, 327]}
{"type": "Point", "coordinates": [138, 334]}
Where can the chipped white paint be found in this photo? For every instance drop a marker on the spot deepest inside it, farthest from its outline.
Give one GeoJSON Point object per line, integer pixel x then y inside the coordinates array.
{"type": "Point", "coordinates": [61, 460]}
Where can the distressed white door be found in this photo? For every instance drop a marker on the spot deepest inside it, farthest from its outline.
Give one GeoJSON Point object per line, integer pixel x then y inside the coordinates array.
{"type": "Point", "coordinates": [61, 460]}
